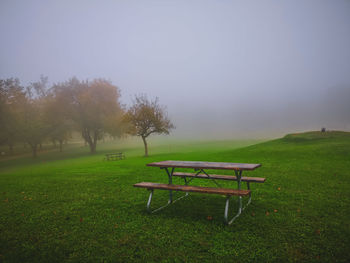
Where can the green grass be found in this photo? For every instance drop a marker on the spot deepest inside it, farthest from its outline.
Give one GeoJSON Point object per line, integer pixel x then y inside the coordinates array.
{"type": "Point", "coordinates": [74, 207]}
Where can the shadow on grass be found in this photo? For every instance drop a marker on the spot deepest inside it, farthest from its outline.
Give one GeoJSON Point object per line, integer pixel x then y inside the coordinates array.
{"type": "Point", "coordinates": [194, 208]}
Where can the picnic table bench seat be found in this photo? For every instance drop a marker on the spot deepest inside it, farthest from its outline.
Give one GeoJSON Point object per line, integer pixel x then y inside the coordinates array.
{"type": "Point", "coordinates": [198, 189]}
{"type": "Point", "coordinates": [221, 177]}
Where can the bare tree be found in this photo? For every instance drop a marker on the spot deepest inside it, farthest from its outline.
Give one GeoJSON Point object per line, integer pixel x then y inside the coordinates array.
{"type": "Point", "coordinates": [147, 117]}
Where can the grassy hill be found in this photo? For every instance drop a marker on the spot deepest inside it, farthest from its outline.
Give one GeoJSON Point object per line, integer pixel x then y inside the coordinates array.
{"type": "Point", "coordinates": [316, 135]}
{"type": "Point", "coordinates": [77, 208]}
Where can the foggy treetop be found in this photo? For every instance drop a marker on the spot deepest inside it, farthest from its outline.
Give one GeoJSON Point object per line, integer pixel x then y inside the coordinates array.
{"type": "Point", "coordinates": [235, 68]}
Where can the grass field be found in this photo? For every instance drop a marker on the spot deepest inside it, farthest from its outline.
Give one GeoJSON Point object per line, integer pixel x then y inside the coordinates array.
{"type": "Point", "coordinates": [75, 207]}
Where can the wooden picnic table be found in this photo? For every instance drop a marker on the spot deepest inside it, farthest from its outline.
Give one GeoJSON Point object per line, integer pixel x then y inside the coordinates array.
{"type": "Point", "coordinates": [200, 173]}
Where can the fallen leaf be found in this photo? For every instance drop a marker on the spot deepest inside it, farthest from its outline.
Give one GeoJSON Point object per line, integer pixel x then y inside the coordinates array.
{"type": "Point", "coordinates": [209, 218]}
{"type": "Point", "coordinates": [275, 210]}
{"type": "Point", "coordinates": [279, 188]}
{"type": "Point", "coordinates": [30, 198]}
{"type": "Point", "coordinates": [22, 193]}
{"type": "Point", "coordinates": [267, 213]}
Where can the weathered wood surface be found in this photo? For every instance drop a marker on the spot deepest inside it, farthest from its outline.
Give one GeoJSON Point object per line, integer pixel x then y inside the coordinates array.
{"type": "Point", "coordinates": [206, 165]}
{"type": "Point", "coordinates": [198, 189]}
{"type": "Point", "coordinates": [221, 177]}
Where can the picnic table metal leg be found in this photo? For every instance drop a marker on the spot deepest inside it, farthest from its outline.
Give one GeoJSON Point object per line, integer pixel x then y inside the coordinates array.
{"type": "Point", "coordinates": [186, 183]}
{"type": "Point", "coordinates": [226, 212]}
{"type": "Point", "coordinates": [159, 208]}
{"type": "Point", "coordinates": [170, 176]}
{"type": "Point", "coordinates": [238, 174]}
{"type": "Point", "coordinates": [170, 201]}
{"type": "Point", "coordinates": [239, 181]}
{"type": "Point", "coordinates": [149, 201]}
{"type": "Point", "coordinates": [250, 196]}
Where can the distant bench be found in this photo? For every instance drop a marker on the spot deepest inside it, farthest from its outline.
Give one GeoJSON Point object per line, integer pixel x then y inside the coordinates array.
{"type": "Point", "coordinates": [114, 156]}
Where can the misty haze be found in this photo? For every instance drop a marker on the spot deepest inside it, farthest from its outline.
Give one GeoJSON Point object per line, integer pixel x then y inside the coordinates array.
{"type": "Point", "coordinates": [245, 100]}
{"type": "Point", "coordinates": [258, 69]}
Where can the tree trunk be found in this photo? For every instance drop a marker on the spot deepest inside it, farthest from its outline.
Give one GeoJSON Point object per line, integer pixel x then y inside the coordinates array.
{"type": "Point", "coordinates": [34, 150]}
{"type": "Point", "coordinates": [145, 143]}
{"type": "Point", "coordinates": [94, 142]}
{"type": "Point", "coordinates": [61, 145]}
{"type": "Point", "coordinates": [93, 148]}
{"type": "Point", "coordinates": [91, 141]}
{"type": "Point", "coordinates": [11, 148]}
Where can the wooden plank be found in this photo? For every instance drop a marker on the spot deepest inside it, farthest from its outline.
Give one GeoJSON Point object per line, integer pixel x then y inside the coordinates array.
{"type": "Point", "coordinates": [198, 189]}
{"type": "Point", "coordinates": [222, 177]}
{"type": "Point", "coordinates": [206, 165]}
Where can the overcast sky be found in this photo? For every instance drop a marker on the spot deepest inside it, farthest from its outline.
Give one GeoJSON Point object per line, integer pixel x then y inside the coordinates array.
{"type": "Point", "coordinates": [224, 68]}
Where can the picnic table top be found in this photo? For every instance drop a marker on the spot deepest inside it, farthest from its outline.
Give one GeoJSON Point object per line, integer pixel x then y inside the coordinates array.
{"type": "Point", "coordinates": [206, 165]}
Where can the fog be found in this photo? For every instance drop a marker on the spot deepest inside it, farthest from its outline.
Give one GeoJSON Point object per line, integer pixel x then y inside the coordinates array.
{"type": "Point", "coordinates": [225, 69]}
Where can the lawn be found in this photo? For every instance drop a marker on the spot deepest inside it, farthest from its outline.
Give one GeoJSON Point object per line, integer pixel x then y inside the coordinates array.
{"type": "Point", "coordinates": [75, 207]}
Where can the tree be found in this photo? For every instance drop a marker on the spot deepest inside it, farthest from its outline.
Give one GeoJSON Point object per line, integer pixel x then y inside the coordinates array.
{"type": "Point", "coordinates": [93, 106]}
{"type": "Point", "coordinates": [22, 113]}
{"type": "Point", "coordinates": [35, 128]}
{"type": "Point", "coordinates": [147, 117]}
{"type": "Point", "coordinates": [12, 99]}
{"type": "Point", "coordinates": [57, 117]}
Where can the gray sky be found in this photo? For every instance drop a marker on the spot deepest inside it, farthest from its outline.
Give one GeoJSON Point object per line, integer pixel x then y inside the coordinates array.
{"type": "Point", "coordinates": [224, 68]}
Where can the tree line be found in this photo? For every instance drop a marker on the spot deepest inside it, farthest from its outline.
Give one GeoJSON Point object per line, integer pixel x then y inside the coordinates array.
{"type": "Point", "coordinates": [40, 113]}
